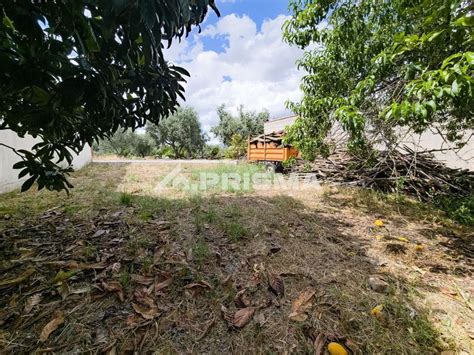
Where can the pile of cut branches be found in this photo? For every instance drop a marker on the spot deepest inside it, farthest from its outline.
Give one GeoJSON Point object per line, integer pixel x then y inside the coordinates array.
{"type": "Point", "coordinates": [404, 170]}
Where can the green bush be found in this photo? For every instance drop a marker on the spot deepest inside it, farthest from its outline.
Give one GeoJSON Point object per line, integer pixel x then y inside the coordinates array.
{"type": "Point", "coordinates": [237, 148]}
{"type": "Point", "coordinates": [212, 152]}
{"type": "Point", "coordinates": [460, 209]}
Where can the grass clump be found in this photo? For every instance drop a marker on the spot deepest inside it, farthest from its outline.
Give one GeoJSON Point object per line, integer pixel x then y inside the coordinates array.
{"type": "Point", "coordinates": [124, 279]}
{"type": "Point", "coordinates": [235, 231]}
{"type": "Point", "coordinates": [200, 250]}
{"type": "Point", "coordinates": [125, 199]}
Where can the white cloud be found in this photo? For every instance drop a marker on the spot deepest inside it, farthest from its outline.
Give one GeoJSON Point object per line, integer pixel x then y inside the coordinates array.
{"type": "Point", "coordinates": [260, 65]}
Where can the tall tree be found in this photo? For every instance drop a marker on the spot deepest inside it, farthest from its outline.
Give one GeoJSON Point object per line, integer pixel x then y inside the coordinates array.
{"type": "Point", "coordinates": [73, 72]}
{"type": "Point", "coordinates": [246, 123]}
{"type": "Point", "coordinates": [126, 143]}
{"type": "Point", "coordinates": [376, 66]}
{"type": "Point", "coordinates": [181, 131]}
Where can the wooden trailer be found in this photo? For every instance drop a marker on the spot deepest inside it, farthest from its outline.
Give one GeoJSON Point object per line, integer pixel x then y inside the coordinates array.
{"type": "Point", "coordinates": [269, 149]}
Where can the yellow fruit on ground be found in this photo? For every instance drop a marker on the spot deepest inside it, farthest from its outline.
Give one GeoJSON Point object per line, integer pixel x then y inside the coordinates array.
{"type": "Point", "coordinates": [419, 247]}
{"type": "Point", "coordinates": [377, 310]}
{"type": "Point", "coordinates": [402, 239]}
{"type": "Point", "coordinates": [337, 349]}
{"type": "Point", "coordinates": [378, 223]}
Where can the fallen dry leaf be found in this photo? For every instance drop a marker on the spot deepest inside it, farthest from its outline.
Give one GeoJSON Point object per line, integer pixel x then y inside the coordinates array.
{"type": "Point", "coordinates": [198, 284]}
{"type": "Point", "coordinates": [52, 326]}
{"type": "Point", "coordinates": [18, 279]}
{"type": "Point", "coordinates": [64, 290]}
{"type": "Point", "coordinates": [242, 317]}
{"type": "Point", "coordinates": [143, 296]}
{"type": "Point", "coordinates": [227, 315]}
{"type": "Point", "coordinates": [276, 284]}
{"type": "Point", "coordinates": [116, 267]}
{"type": "Point", "coordinates": [260, 319]}
{"type": "Point", "coordinates": [62, 276]}
{"type": "Point", "coordinates": [227, 281]}
{"type": "Point", "coordinates": [241, 299]}
{"type": "Point", "coordinates": [147, 313]}
{"type": "Point", "coordinates": [140, 279]}
{"type": "Point", "coordinates": [163, 284]}
{"type": "Point", "coordinates": [75, 265]}
{"type": "Point", "coordinates": [81, 289]}
{"type": "Point", "coordinates": [319, 343]}
{"type": "Point", "coordinates": [161, 225]}
{"type": "Point", "coordinates": [133, 319]}
{"type": "Point", "coordinates": [114, 286]}
{"type": "Point", "coordinates": [157, 255]}
{"type": "Point", "coordinates": [99, 233]}
{"type": "Point", "coordinates": [301, 304]}
{"type": "Point", "coordinates": [353, 347]}
{"type": "Point", "coordinates": [32, 301]}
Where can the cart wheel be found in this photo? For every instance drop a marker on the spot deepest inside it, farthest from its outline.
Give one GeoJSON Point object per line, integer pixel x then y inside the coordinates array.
{"type": "Point", "coordinates": [270, 168]}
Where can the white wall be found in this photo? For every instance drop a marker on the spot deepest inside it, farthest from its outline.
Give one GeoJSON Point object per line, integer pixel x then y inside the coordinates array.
{"type": "Point", "coordinates": [9, 176]}
{"type": "Point", "coordinates": [463, 158]}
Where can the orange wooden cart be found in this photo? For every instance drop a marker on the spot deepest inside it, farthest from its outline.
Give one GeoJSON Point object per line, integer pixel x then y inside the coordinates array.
{"type": "Point", "coordinates": [270, 150]}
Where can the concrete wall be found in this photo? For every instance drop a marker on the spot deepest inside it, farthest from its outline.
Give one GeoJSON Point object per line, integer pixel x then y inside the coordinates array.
{"type": "Point", "coordinates": [463, 158]}
{"type": "Point", "coordinates": [9, 176]}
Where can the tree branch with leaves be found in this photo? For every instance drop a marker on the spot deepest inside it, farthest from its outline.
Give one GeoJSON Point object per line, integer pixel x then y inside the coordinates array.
{"type": "Point", "coordinates": [72, 73]}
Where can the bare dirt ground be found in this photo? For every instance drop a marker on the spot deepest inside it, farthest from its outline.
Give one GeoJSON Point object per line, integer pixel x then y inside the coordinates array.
{"type": "Point", "coordinates": [121, 267]}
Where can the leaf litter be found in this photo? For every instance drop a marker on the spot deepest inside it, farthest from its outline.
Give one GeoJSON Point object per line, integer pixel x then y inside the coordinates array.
{"type": "Point", "coordinates": [135, 287]}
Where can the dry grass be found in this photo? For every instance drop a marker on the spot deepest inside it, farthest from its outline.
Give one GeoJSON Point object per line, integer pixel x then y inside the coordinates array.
{"type": "Point", "coordinates": [118, 230]}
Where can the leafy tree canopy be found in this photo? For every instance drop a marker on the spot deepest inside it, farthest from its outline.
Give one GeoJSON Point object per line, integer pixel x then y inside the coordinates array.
{"type": "Point", "coordinates": [181, 131]}
{"type": "Point", "coordinates": [126, 143]}
{"type": "Point", "coordinates": [246, 123]}
{"type": "Point", "coordinates": [73, 72]}
{"type": "Point", "coordinates": [373, 66]}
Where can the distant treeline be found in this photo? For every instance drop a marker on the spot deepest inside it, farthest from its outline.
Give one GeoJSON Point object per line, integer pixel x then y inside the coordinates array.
{"type": "Point", "coordinates": [180, 136]}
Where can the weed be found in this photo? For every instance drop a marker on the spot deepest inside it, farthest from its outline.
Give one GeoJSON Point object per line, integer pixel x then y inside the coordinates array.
{"type": "Point", "coordinates": [134, 244]}
{"type": "Point", "coordinates": [125, 199]}
{"type": "Point", "coordinates": [289, 163]}
{"type": "Point", "coordinates": [417, 323]}
{"type": "Point", "coordinates": [460, 209]}
{"type": "Point", "coordinates": [124, 279]}
{"type": "Point", "coordinates": [201, 250]}
{"type": "Point", "coordinates": [89, 250]}
{"type": "Point", "coordinates": [211, 215]}
{"type": "Point", "coordinates": [235, 231]}
{"type": "Point", "coordinates": [147, 264]}
{"type": "Point", "coordinates": [198, 222]}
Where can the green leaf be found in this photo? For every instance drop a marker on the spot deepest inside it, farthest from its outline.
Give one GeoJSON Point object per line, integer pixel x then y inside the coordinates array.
{"type": "Point", "coordinates": [448, 60]}
{"type": "Point", "coordinates": [455, 87]}
{"type": "Point", "coordinates": [28, 183]}
{"type": "Point", "coordinates": [432, 105]}
{"type": "Point", "coordinates": [470, 57]}
{"type": "Point", "coordinates": [7, 22]}
{"type": "Point", "coordinates": [91, 41]}
{"type": "Point", "coordinates": [465, 21]}
{"type": "Point", "coordinates": [434, 35]}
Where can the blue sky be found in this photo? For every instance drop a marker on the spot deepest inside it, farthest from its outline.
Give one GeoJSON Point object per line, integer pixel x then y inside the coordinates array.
{"type": "Point", "coordinates": [257, 10]}
{"type": "Point", "coordinates": [240, 59]}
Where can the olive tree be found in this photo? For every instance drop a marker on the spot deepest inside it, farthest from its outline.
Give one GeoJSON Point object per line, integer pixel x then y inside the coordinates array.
{"type": "Point", "coordinates": [180, 131]}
